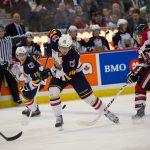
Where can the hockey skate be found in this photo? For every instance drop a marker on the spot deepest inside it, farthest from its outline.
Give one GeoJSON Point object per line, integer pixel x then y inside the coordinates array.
{"type": "Point", "coordinates": [140, 113]}
{"type": "Point", "coordinates": [59, 123]}
{"type": "Point", "coordinates": [112, 117]}
{"type": "Point", "coordinates": [35, 113]}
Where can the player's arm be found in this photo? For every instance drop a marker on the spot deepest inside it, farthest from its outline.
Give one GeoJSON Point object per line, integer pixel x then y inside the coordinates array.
{"type": "Point", "coordinates": [116, 38]}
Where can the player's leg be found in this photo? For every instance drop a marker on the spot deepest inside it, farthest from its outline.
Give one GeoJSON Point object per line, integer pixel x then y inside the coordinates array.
{"type": "Point", "coordinates": [1, 76]}
{"type": "Point", "coordinates": [55, 88]}
{"type": "Point", "coordinates": [85, 92]}
{"type": "Point", "coordinates": [12, 83]}
{"type": "Point", "coordinates": [140, 94]}
{"type": "Point", "coordinates": [30, 103]}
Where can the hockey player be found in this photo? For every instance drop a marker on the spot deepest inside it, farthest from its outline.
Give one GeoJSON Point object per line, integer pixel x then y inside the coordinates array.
{"type": "Point", "coordinates": [141, 74]}
{"type": "Point", "coordinates": [97, 43]}
{"type": "Point", "coordinates": [31, 71]}
{"type": "Point", "coordinates": [123, 39]}
{"type": "Point", "coordinates": [52, 42]}
{"type": "Point", "coordinates": [78, 43]}
{"type": "Point", "coordinates": [67, 69]}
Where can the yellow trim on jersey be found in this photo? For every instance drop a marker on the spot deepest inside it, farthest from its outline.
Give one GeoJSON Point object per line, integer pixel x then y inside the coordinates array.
{"type": "Point", "coordinates": [67, 77]}
{"type": "Point", "coordinates": [36, 81]}
{"type": "Point", "coordinates": [86, 94]}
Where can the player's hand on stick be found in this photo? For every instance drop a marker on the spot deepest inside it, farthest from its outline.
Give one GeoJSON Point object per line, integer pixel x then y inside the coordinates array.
{"type": "Point", "coordinates": [132, 77]}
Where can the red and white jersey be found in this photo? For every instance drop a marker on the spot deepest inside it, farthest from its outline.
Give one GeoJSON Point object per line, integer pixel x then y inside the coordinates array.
{"type": "Point", "coordinates": [144, 53]}
{"type": "Point", "coordinates": [145, 36]}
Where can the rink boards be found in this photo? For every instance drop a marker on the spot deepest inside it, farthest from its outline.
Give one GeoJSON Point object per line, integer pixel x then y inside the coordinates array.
{"type": "Point", "coordinates": [105, 71]}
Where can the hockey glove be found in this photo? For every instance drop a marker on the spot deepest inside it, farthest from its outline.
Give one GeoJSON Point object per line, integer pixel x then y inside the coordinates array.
{"type": "Point", "coordinates": [46, 73]}
{"type": "Point", "coordinates": [132, 77]}
{"type": "Point", "coordinates": [5, 65]}
{"type": "Point", "coordinates": [37, 54]}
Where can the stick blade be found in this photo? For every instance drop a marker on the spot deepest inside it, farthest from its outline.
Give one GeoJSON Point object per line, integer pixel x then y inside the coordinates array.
{"type": "Point", "coordinates": [11, 138]}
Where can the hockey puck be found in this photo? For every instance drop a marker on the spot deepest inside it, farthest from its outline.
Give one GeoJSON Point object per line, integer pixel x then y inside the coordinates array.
{"type": "Point", "coordinates": [63, 106]}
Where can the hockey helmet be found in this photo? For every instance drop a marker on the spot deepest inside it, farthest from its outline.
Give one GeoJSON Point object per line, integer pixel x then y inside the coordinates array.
{"type": "Point", "coordinates": [65, 43]}
{"type": "Point", "coordinates": [21, 50]}
{"type": "Point", "coordinates": [121, 21]}
{"type": "Point", "coordinates": [141, 28]}
{"type": "Point", "coordinates": [72, 28]}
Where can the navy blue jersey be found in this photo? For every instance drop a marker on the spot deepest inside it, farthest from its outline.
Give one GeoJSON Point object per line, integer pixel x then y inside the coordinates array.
{"type": "Point", "coordinates": [70, 62]}
{"type": "Point", "coordinates": [31, 68]}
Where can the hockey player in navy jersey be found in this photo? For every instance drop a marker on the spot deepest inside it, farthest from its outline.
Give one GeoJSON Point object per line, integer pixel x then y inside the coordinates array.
{"type": "Point", "coordinates": [30, 69]}
{"type": "Point", "coordinates": [67, 69]}
{"type": "Point", "coordinates": [141, 74]}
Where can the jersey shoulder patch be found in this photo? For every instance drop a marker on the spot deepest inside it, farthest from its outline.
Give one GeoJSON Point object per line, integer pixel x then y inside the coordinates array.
{"type": "Point", "coordinates": [31, 65]}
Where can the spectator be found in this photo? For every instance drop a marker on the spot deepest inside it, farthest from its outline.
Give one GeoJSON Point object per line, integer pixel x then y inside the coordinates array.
{"type": "Point", "coordinates": [62, 18]}
{"type": "Point", "coordinates": [106, 14]}
{"type": "Point", "coordinates": [129, 14]}
{"type": "Point", "coordinates": [15, 28]}
{"type": "Point", "coordinates": [89, 6]}
{"type": "Point", "coordinates": [97, 18]}
{"type": "Point", "coordinates": [97, 43]}
{"type": "Point", "coordinates": [77, 21]}
{"type": "Point", "coordinates": [123, 39]}
{"type": "Point", "coordinates": [78, 43]}
{"type": "Point", "coordinates": [135, 20]}
{"type": "Point", "coordinates": [113, 20]}
{"type": "Point", "coordinates": [79, 12]}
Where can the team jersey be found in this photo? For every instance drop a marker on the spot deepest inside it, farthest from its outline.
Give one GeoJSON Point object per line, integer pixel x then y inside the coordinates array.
{"type": "Point", "coordinates": [144, 53]}
{"type": "Point", "coordinates": [145, 36]}
{"type": "Point", "coordinates": [30, 72]}
{"type": "Point", "coordinates": [123, 40]}
{"type": "Point", "coordinates": [66, 66]}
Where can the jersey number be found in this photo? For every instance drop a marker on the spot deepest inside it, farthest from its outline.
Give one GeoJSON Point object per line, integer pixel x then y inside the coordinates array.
{"type": "Point", "coordinates": [72, 72]}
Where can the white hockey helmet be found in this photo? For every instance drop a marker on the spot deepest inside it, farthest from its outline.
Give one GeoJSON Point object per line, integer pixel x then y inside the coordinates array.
{"type": "Point", "coordinates": [21, 50]}
{"type": "Point", "coordinates": [72, 28]}
{"type": "Point", "coordinates": [29, 34]}
{"type": "Point", "coordinates": [65, 41]}
{"type": "Point", "coordinates": [95, 27]}
{"type": "Point", "coordinates": [121, 21]}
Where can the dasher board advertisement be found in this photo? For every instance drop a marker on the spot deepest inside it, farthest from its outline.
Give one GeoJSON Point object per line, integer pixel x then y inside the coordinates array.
{"type": "Point", "coordinates": [115, 66]}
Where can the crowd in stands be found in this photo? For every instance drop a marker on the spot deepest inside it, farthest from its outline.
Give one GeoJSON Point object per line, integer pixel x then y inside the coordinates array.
{"type": "Point", "coordinates": [42, 15]}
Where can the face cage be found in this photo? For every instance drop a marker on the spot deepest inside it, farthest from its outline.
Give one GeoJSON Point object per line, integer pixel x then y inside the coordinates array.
{"type": "Point", "coordinates": [22, 54]}
{"type": "Point", "coordinates": [64, 50]}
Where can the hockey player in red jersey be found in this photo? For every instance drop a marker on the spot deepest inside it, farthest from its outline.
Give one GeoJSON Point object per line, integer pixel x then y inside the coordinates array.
{"type": "Point", "coordinates": [141, 74]}
{"type": "Point", "coordinates": [67, 69]}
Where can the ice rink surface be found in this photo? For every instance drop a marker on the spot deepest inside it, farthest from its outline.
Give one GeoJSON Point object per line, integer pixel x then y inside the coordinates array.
{"type": "Point", "coordinates": [40, 133]}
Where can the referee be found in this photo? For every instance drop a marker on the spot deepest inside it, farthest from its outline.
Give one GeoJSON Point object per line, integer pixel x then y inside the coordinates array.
{"type": "Point", "coordinates": [6, 46]}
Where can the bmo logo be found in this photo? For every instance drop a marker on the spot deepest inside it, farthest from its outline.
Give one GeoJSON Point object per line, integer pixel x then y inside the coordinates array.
{"type": "Point", "coordinates": [87, 68]}
{"type": "Point", "coordinates": [115, 68]}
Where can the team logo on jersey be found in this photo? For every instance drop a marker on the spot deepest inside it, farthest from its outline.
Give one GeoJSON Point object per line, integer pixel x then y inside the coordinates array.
{"type": "Point", "coordinates": [72, 63]}
{"type": "Point", "coordinates": [31, 65]}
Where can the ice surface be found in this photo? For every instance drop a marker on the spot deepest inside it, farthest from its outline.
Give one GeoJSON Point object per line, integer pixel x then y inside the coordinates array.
{"type": "Point", "coordinates": [40, 133]}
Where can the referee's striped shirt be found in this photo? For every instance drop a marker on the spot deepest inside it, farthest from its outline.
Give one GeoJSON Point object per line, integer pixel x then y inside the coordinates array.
{"type": "Point", "coordinates": [6, 49]}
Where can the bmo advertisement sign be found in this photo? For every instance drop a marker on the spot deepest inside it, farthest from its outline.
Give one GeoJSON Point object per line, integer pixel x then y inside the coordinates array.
{"type": "Point", "coordinates": [115, 66]}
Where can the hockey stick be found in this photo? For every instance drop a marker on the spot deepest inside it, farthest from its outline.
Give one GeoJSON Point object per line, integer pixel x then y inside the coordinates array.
{"type": "Point", "coordinates": [11, 138]}
{"type": "Point", "coordinates": [93, 122]}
